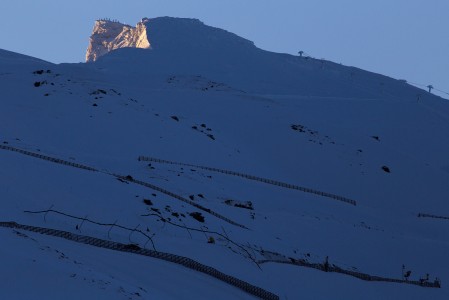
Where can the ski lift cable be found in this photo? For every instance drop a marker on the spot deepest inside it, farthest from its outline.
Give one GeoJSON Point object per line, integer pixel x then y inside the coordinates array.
{"type": "Point", "coordinates": [423, 85]}
{"type": "Point", "coordinates": [426, 86]}
{"type": "Point", "coordinates": [410, 82]}
{"type": "Point", "coordinates": [444, 92]}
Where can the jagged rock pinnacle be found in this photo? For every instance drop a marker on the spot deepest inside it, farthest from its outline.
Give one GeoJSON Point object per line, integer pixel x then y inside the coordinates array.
{"type": "Point", "coordinates": [110, 35]}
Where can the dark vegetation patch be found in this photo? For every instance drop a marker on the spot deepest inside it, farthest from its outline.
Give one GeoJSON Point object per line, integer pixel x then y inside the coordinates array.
{"type": "Point", "coordinates": [386, 169]}
{"type": "Point", "coordinates": [204, 129]}
{"type": "Point", "coordinates": [213, 85]}
{"type": "Point", "coordinates": [147, 202]}
{"type": "Point", "coordinates": [197, 216]}
{"type": "Point", "coordinates": [98, 92]}
{"type": "Point", "coordinates": [40, 72]}
{"type": "Point", "coordinates": [40, 83]}
{"type": "Point", "coordinates": [298, 127]}
{"type": "Point", "coordinates": [313, 135]}
{"type": "Point", "coordinates": [197, 82]}
{"type": "Point", "coordinates": [240, 204]}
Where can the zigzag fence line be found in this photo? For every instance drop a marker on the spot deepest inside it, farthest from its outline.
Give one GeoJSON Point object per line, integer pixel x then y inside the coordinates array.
{"type": "Point", "coordinates": [255, 178]}
{"type": "Point", "coordinates": [127, 178]}
{"type": "Point", "coordinates": [359, 275]}
{"type": "Point", "coordinates": [131, 248]}
{"type": "Point", "coordinates": [421, 215]}
{"type": "Point", "coordinates": [52, 159]}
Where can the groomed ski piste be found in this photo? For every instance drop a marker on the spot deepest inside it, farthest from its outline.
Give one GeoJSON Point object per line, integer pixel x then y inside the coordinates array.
{"type": "Point", "coordinates": [244, 156]}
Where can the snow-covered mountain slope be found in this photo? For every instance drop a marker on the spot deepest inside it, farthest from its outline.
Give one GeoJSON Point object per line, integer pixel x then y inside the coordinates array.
{"type": "Point", "coordinates": [187, 46]}
{"type": "Point", "coordinates": [219, 102]}
{"type": "Point", "coordinates": [11, 61]}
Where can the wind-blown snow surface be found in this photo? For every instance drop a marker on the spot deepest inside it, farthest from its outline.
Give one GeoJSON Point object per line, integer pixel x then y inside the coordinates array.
{"type": "Point", "coordinates": [206, 97]}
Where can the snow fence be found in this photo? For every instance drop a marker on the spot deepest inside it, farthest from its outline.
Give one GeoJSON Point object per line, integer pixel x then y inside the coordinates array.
{"type": "Point", "coordinates": [255, 178]}
{"type": "Point", "coordinates": [126, 178]}
{"type": "Point", "coordinates": [131, 248]}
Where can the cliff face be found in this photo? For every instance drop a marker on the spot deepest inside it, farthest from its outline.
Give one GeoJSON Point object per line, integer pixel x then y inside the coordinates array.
{"type": "Point", "coordinates": [110, 35]}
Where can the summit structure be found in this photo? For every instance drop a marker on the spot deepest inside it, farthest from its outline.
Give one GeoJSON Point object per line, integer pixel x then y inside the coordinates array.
{"type": "Point", "coordinates": [109, 35]}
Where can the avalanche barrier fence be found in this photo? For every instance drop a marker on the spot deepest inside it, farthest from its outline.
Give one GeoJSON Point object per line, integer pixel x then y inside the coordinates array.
{"type": "Point", "coordinates": [131, 248]}
{"type": "Point", "coordinates": [121, 177]}
{"type": "Point", "coordinates": [255, 178]}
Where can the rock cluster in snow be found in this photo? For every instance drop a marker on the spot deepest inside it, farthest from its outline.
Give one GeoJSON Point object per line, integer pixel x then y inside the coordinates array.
{"type": "Point", "coordinates": [110, 35]}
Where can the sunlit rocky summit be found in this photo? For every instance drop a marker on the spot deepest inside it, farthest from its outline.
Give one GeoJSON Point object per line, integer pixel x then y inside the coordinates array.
{"type": "Point", "coordinates": [109, 35]}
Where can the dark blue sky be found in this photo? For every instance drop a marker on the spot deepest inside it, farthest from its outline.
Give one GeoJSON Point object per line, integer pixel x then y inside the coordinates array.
{"type": "Point", "coordinates": [401, 38]}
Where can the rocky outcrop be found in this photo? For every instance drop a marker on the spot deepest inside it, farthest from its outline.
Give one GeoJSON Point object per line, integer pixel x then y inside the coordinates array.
{"type": "Point", "coordinates": [109, 35]}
